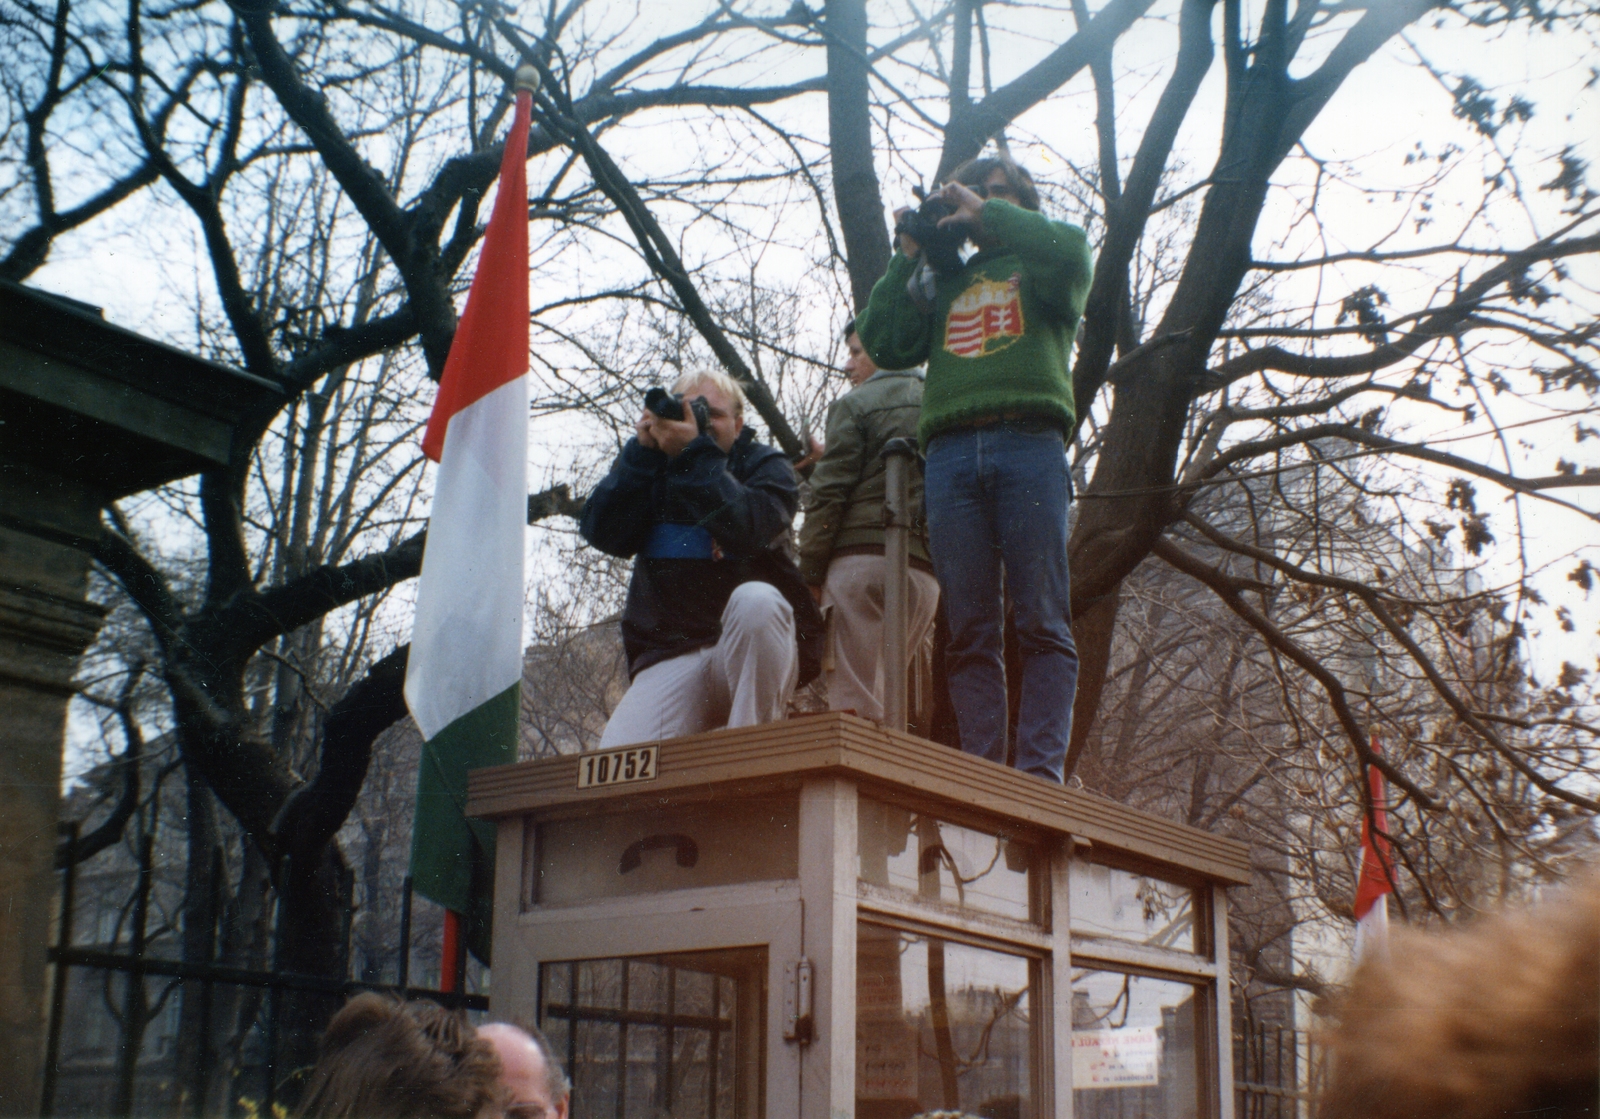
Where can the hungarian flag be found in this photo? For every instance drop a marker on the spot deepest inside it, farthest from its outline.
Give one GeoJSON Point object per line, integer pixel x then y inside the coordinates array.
{"type": "Point", "coordinates": [1375, 884]}
{"type": "Point", "coordinates": [463, 680]}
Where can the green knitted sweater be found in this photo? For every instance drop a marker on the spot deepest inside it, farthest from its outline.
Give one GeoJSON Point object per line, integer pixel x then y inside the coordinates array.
{"type": "Point", "coordinates": [999, 340]}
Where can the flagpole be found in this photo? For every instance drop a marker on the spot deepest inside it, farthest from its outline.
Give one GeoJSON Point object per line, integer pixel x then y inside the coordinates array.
{"type": "Point", "coordinates": [452, 957]}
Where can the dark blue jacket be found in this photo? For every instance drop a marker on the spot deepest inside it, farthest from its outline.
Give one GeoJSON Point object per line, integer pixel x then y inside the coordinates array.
{"type": "Point", "coordinates": [697, 526]}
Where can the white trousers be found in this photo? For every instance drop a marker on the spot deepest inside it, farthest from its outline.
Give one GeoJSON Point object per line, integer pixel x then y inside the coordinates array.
{"type": "Point", "coordinates": [854, 590]}
{"type": "Point", "coordinates": [746, 678]}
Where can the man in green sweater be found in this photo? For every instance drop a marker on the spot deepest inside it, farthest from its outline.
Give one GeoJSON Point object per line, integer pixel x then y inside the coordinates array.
{"type": "Point", "coordinates": [842, 539]}
{"type": "Point", "coordinates": [997, 339]}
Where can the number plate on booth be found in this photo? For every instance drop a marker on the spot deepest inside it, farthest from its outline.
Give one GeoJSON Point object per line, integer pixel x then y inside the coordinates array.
{"type": "Point", "coordinates": [617, 767]}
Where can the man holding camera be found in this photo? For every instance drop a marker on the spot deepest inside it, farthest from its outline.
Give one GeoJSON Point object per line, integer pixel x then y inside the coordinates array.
{"type": "Point", "coordinates": [996, 333]}
{"type": "Point", "coordinates": [842, 539]}
{"type": "Point", "coordinates": [718, 626]}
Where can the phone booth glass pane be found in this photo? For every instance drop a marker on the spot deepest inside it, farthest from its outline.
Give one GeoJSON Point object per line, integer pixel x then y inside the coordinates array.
{"type": "Point", "coordinates": [1133, 1047]}
{"type": "Point", "coordinates": [941, 1025]}
{"type": "Point", "coordinates": [936, 861]}
{"type": "Point", "coordinates": [652, 850]}
{"type": "Point", "coordinates": [1123, 905]}
{"type": "Point", "coordinates": [677, 1035]}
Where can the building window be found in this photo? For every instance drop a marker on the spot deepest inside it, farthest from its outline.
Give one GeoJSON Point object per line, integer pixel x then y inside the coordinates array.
{"type": "Point", "coordinates": [678, 1035]}
{"type": "Point", "coordinates": [942, 1025]}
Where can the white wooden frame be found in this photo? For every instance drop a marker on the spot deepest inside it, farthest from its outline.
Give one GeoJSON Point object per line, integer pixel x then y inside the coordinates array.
{"type": "Point", "coordinates": [815, 916]}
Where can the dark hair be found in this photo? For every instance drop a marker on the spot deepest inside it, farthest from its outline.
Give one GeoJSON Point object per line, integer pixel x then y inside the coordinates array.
{"type": "Point", "coordinates": [975, 171]}
{"type": "Point", "coordinates": [386, 1059]}
{"type": "Point", "coordinates": [849, 329]}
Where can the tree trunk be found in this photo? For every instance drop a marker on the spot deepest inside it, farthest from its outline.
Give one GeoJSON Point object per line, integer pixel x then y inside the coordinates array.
{"type": "Point", "coordinates": [1144, 433]}
{"type": "Point", "coordinates": [1092, 631]}
{"type": "Point", "coordinates": [855, 176]}
{"type": "Point", "coordinates": [312, 930]}
{"type": "Point", "coordinates": [201, 909]}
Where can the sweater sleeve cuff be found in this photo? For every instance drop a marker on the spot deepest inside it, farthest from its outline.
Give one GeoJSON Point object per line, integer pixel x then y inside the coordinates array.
{"type": "Point", "coordinates": [636, 456]}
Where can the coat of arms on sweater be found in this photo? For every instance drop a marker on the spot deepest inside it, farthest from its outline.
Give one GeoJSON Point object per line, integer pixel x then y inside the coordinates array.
{"type": "Point", "coordinates": [986, 318]}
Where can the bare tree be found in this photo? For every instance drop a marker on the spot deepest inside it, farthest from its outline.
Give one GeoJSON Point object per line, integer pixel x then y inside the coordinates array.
{"type": "Point", "coordinates": [333, 158]}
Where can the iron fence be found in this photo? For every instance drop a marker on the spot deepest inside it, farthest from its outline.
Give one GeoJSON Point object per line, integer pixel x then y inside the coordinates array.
{"type": "Point", "coordinates": [112, 1036]}
{"type": "Point", "coordinates": [1277, 1072]}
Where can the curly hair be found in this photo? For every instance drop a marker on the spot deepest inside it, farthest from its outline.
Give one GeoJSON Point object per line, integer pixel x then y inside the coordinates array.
{"type": "Point", "coordinates": [1496, 1019]}
{"type": "Point", "coordinates": [386, 1059]}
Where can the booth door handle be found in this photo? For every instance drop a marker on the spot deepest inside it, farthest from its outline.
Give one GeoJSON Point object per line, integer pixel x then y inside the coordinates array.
{"type": "Point", "coordinates": [688, 851]}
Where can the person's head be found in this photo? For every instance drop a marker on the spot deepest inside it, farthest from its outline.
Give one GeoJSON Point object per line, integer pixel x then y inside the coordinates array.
{"type": "Point", "coordinates": [1500, 1017]}
{"type": "Point", "coordinates": [529, 1071]}
{"type": "Point", "coordinates": [858, 364]}
{"type": "Point", "coordinates": [724, 399]}
{"type": "Point", "coordinates": [386, 1059]}
{"type": "Point", "coordinates": [998, 176]}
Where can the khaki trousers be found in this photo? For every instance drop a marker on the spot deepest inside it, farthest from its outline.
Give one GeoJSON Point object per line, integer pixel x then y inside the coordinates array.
{"type": "Point", "coordinates": [744, 679]}
{"type": "Point", "coordinates": [853, 597]}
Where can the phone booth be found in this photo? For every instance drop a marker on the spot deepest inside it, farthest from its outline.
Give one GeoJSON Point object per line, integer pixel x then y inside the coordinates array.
{"type": "Point", "coordinates": [822, 918]}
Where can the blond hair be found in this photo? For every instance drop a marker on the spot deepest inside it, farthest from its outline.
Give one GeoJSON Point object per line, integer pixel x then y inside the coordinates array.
{"type": "Point", "coordinates": [716, 378]}
{"type": "Point", "coordinates": [1499, 1018]}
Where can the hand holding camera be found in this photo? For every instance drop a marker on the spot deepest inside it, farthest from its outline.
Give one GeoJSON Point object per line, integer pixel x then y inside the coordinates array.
{"type": "Point", "coordinates": [666, 426]}
{"type": "Point", "coordinates": [940, 225]}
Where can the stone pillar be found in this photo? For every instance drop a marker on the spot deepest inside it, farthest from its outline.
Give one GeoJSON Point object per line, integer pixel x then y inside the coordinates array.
{"type": "Point", "coordinates": [89, 412]}
{"type": "Point", "coordinates": [45, 624]}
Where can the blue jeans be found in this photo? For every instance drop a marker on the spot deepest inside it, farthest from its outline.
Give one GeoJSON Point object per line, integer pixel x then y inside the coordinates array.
{"type": "Point", "coordinates": [997, 509]}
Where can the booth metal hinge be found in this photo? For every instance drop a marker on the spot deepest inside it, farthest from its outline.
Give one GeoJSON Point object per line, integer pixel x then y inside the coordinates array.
{"type": "Point", "coordinates": [798, 1023]}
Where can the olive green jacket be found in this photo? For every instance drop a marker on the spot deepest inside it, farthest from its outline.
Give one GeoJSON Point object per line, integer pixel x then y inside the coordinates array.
{"type": "Point", "coordinates": [847, 487]}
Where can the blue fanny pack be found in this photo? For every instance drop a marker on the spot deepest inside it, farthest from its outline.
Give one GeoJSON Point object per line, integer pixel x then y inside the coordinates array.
{"type": "Point", "coordinates": [670, 541]}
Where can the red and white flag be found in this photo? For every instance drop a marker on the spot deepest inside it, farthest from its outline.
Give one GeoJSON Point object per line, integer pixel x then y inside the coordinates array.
{"type": "Point", "coordinates": [1375, 883]}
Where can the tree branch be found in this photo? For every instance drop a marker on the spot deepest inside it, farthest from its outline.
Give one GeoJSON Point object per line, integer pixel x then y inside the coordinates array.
{"type": "Point", "coordinates": [1311, 94]}
{"type": "Point", "coordinates": [965, 137]}
{"type": "Point", "coordinates": [341, 345]}
{"type": "Point", "coordinates": [110, 829]}
{"type": "Point", "coordinates": [1380, 610]}
{"type": "Point", "coordinates": [660, 253]}
{"type": "Point", "coordinates": [1128, 212]}
{"type": "Point", "coordinates": [252, 621]}
{"type": "Point", "coordinates": [30, 250]}
{"type": "Point", "coordinates": [141, 580]}
{"type": "Point", "coordinates": [394, 229]}
{"type": "Point", "coordinates": [1228, 588]}
{"type": "Point", "coordinates": [314, 812]}
{"type": "Point", "coordinates": [1440, 323]}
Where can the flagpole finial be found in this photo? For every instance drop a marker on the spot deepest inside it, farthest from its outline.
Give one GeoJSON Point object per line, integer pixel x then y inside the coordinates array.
{"type": "Point", "coordinates": [527, 78]}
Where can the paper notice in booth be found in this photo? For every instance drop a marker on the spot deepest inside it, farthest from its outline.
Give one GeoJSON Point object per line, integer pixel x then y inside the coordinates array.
{"type": "Point", "coordinates": [1126, 1058]}
{"type": "Point", "coordinates": [886, 1061]}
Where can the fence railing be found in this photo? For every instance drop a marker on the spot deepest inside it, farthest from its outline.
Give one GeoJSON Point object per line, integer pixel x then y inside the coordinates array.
{"type": "Point", "coordinates": [1277, 1072]}
{"type": "Point", "coordinates": [119, 1070]}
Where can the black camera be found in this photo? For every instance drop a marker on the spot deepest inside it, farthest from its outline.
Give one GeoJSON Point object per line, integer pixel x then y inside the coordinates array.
{"type": "Point", "coordinates": [941, 245]}
{"type": "Point", "coordinates": [669, 406]}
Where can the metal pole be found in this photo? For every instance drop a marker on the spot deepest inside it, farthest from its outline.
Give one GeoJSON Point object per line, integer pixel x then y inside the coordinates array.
{"type": "Point", "coordinates": [898, 455]}
{"type": "Point", "coordinates": [58, 981]}
{"type": "Point", "coordinates": [199, 1092]}
{"type": "Point", "coordinates": [270, 1093]}
{"type": "Point", "coordinates": [404, 977]}
{"type": "Point", "coordinates": [135, 1007]}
